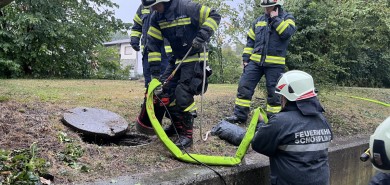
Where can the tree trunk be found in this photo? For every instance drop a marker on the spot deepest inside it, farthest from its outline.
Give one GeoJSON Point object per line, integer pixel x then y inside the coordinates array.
{"type": "Point", "coordinates": [5, 2]}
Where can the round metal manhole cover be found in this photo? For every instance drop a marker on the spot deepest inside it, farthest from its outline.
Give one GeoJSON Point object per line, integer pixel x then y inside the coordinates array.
{"type": "Point", "coordinates": [95, 122]}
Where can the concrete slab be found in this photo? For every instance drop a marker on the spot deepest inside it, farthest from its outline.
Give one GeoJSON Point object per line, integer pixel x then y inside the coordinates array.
{"type": "Point", "coordinates": [93, 121]}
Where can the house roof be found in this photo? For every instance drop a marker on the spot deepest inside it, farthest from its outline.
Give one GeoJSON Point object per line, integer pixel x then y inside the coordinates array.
{"type": "Point", "coordinates": [116, 42]}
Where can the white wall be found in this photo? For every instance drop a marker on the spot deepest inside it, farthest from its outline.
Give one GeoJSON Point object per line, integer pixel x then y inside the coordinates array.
{"type": "Point", "coordinates": [139, 67]}
{"type": "Point", "coordinates": [131, 57]}
{"type": "Point", "coordinates": [131, 53]}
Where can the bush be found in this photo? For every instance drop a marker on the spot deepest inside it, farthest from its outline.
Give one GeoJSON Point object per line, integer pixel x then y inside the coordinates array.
{"type": "Point", "coordinates": [9, 69]}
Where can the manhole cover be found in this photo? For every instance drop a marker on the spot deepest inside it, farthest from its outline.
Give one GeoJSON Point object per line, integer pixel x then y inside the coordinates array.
{"type": "Point", "coordinates": [95, 122]}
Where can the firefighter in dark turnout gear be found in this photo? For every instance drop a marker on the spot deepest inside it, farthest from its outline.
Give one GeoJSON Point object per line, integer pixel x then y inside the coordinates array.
{"type": "Point", "coordinates": [140, 28]}
{"type": "Point", "coordinates": [296, 139]}
{"type": "Point", "coordinates": [264, 54]}
{"type": "Point", "coordinates": [185, 25]}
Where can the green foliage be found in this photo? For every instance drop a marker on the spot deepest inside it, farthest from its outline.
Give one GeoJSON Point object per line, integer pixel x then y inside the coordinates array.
{"type": "Point", "coordinates": [106, 64]}
{"type": "Point", "coordinates": [227, 31]}
{"type": "Point", "coordinates": [55, 39]}
{"type": "Point", "coordinates": [339, 43]}
{"type": "Point", "coordinates": [9, 69]}
{"type": "Point", "coordinates": [119, 36]}
{"type": "Point", "coordinates": [71, 153]}
{"type": "Point", "coordinates": [230, 69]}
{"type": "Point", "coordinates": [22, 166]}
{"type": "Point", "coordinates": [4, 98]}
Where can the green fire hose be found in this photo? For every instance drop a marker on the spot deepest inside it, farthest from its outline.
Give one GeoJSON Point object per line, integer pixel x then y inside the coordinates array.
{"type": "Point", "coordinates": [206, 159]}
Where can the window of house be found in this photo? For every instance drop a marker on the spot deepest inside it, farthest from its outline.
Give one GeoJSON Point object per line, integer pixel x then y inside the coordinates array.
{"type": "Point", "coordinates": [128, 50]}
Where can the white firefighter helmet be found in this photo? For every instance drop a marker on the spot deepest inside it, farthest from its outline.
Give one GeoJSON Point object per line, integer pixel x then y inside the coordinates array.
{"type": "Point", "coordinates": [268, 3]}
{"type": "Point", "coordinates": [149, 3]}
{"type": "Point", "coordinates": [380, 147]}
{"type": "Point", "coordinates": [296, 85]}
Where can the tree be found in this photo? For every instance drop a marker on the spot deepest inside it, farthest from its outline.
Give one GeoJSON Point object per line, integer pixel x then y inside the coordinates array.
{"type": "Point", "coordinates": [106, 65]}
{"type": "Point", "coordinates": [339, 43]}
{"type": "Point", "coordinates": [119, 36]}
{"type": "Point", "coordinates": [226, 32]}
{"type": "Point", "coordinates": [55, 38]}
{"type": "Point", "coordinates": [5, 2]}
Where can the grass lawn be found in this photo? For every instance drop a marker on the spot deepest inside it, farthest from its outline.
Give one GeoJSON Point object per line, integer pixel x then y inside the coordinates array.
{"type": "Point", "coordinates": [31, 111]}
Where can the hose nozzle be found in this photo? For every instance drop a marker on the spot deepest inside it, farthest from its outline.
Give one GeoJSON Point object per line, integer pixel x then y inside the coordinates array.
{"type": "Point", "coordinates": [365, 156]}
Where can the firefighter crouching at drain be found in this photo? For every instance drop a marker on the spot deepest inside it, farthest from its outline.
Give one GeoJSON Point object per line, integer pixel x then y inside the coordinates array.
{"type": "Point", "coordinates": [379, 154]}
{"type": "Point", "coordinates": [296, 139]}
{"type": "Point", "coordinates": [264, 55]}
{"type": "Point", "coordinates": [187, 26]}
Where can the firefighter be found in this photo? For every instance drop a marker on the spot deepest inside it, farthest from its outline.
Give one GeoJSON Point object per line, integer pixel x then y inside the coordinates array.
{"type": "Point", "coordinates": [185, 25]}
{"type": "Point", "coordinates": [140, 28]}
{"type": "Point", "coordinates": [264, 54]}
{"type": "Point", "coordinates": [380, 153]}
{"type": "Point", "coordinates": [296, 139]}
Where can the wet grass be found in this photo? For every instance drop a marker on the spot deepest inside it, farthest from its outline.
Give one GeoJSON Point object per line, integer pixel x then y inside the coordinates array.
{"type": "Point", "coordinates": [31, 110]}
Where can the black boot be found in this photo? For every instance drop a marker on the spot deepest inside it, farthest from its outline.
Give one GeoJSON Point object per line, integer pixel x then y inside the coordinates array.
{"type": "Point", "coordinates": [170, 130]}
{"type": "Point", "coordinates": [185, 136]}
{"type": "Point", "coordinates": [235, 119]}
{"type": "Point", "coordinates": [183, 142]}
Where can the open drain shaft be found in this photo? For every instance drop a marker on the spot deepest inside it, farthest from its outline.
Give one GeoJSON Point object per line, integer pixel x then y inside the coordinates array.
{"type": "Point", "coordinates": [129, 139]}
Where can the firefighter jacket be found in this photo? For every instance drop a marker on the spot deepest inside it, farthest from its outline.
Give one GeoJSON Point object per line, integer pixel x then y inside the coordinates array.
{"type": "Point", "coordinates": [380, 179]}
{"type": "Point", "coordinates": [140, 29]}
{"type": "Point", "coordinates": [181, 22]}
{"type": "Point", "coordinates": [268, 39]}
{"type": "Point", "coordinates": [296, 143]}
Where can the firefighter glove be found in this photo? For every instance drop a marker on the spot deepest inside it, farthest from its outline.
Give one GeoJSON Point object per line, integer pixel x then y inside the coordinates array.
{"type": "Point", "coordinates": [197, 44]}
{"type": "Point", "coordinates": [136, 47]}
{"type": "Point", "coordinates": [158, 90]}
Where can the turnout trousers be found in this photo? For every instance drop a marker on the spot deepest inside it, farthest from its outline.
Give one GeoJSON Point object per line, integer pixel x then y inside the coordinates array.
{"type": "Point", "coordinates": [249, 79]}
{"type": "Point", "coordinates": [185, 84]}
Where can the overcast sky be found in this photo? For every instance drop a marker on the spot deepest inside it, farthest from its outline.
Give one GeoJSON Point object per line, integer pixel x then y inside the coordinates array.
{"type": "Point", "coordinates": [127, 9]}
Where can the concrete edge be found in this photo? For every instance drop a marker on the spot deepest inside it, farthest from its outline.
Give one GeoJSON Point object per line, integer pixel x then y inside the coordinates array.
{"type": "Point", "coordinates": [258, 165]}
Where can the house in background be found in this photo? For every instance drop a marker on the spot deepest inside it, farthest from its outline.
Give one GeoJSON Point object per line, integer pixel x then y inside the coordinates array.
{"type": "Point", "coordinates": [128, 56]}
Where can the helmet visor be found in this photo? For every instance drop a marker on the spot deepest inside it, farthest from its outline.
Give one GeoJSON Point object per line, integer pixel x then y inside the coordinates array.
{"type": "Point", "coordinates": [379, 156]}
{"type": "Point", "coordinates": [267, 3]}
{"type": "Point", "coordinates": [148, 3]}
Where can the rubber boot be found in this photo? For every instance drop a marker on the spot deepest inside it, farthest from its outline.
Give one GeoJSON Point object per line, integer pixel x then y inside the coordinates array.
{"type": "Point", "coordinates": [170, 130]}
{"type": "Point", "coordinates": [185, 136]}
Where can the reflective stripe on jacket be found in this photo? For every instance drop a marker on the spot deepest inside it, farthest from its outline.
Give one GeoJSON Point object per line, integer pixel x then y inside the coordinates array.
{"type": "Point", "coordinates": [268, 39]}
{"type": "Point", "coordinates": [182, 21]}
{"type": "Point", "coordinates": [140, 26]}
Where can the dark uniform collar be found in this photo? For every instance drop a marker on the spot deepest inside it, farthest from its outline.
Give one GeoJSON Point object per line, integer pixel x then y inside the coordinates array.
{"type": "Point", "coordinates": [170, 9]}
{"type": "Point", "coordinates": [307, 107]}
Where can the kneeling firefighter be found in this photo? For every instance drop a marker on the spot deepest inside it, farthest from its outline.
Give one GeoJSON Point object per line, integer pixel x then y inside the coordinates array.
{"type": "Point", "coordinates": [187, 26]}
{"type": "Point", "coordinates": [296, 139]}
